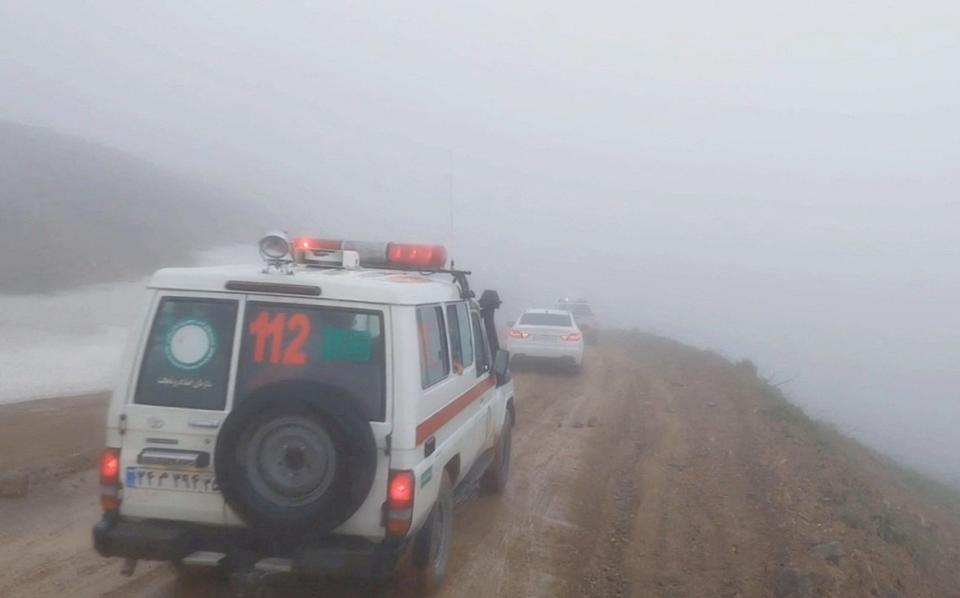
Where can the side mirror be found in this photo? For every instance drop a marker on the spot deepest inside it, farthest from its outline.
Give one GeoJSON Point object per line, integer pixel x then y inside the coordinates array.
{"type": "Point", "coordinates": [501, 367]}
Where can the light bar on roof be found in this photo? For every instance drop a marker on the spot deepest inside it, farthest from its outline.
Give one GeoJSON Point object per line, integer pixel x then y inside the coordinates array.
{"type": "Point", "coordinates": [433, 257]}
{"type": "Point", "coordinates": [306, 243]}
{"type": "Point", "coordinates": [372, 254]}
{"type": "Point", "coordinates": [406, 256]}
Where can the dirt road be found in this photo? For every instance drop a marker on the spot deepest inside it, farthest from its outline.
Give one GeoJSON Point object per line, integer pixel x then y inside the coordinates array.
{"type": "Point", "coordinates": [656, 472]}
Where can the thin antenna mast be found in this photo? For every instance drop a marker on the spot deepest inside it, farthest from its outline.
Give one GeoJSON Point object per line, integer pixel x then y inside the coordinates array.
{"type": "Point", "coordinates": [451, 203]}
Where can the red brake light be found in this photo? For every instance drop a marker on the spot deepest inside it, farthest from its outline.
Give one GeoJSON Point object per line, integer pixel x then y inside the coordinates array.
{"type": "Point", "coordinates": [110, 479]}
{"type": "Point", "coordinates": [400, 502]}
{"type": "Point", "coordinates": [401, 490]}
{"type": "Point", "coordinates": [519, 334]}
{"type": "Point", "coordinates": [110, 467]}
{"type": "Point", "coordinates": [417, 256]}
{"type": "Point", "coordinates": [573, 336]}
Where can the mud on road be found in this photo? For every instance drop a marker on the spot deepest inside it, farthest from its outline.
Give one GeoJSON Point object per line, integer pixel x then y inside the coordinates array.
{"type": "Point", "coordinates": [655, 472]}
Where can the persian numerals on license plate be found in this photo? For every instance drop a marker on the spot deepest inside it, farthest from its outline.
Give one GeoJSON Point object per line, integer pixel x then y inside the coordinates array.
{"type": "Point", "coordinates": [165, 479]}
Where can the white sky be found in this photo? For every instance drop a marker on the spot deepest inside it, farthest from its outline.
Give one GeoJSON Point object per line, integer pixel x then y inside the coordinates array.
{"type": "Point", "coordinates": [636, 95]}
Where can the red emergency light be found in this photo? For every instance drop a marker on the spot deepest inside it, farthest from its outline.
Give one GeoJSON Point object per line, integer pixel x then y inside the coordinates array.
{"type": "Point", "coordinates": [420, 256]}
{"type": "Point", "coordinates": [409, 256]}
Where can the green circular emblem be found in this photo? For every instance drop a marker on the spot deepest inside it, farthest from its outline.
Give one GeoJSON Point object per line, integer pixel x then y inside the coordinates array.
{"type": "Point", "coordinates": [190, 344]}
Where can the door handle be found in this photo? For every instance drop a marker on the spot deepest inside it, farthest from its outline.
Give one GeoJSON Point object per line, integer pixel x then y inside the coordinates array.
{"type": "Point", "coordinates": [204, 423]}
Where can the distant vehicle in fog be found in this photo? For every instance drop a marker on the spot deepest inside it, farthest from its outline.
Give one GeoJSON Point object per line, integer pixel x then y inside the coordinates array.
{"type": "Point", "coordinates": [584, 316]}
{"type": "Point", "coordinates": [546, 334]}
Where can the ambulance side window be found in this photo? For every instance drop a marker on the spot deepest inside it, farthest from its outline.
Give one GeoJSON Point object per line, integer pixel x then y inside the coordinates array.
{"type": "Point", "coordinates": [434, 358]}
{"type": "Point", "coordinates": [482, 347]}
{"type": "Point", "coordinates": [461, 343]}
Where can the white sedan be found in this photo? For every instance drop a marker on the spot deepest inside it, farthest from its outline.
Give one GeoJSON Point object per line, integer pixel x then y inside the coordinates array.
{"type": "Point", "coordinates": [546, 334]}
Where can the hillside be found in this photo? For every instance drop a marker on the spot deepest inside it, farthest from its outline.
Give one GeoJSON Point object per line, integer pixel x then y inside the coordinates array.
{"type": "Point", "coordinates": [74, 212]}
{"type": "Point", "coordinates": [660, 470]}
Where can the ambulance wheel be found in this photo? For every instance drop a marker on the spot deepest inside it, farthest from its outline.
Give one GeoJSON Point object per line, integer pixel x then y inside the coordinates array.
{"type": "Point", "coordinates": [431, 551]}
{"type": "Point", "coordinates": [495, 478]}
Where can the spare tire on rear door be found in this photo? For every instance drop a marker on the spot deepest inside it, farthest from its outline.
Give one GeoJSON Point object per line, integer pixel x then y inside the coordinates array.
{"type": "Point", "coordinates": [296, 457]}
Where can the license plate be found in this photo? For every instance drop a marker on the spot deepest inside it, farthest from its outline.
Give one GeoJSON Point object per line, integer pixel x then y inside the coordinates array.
{"type": "Point", "coordinates": [544, 338]}
{"type": "Point", "coordinates": [166, 479]}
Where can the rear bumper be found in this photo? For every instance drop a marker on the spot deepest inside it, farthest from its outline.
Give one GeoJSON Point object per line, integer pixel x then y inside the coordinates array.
{"type": "Point", "coordinates": [544, 351]}
{"type": "Point", "coordinates": [172, 541]}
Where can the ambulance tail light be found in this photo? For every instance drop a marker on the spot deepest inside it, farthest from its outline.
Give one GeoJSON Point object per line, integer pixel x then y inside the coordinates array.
{"type": "Point", "coordinates": [399, 507]}
{"type": "Point", "coordinates": [110, 490]}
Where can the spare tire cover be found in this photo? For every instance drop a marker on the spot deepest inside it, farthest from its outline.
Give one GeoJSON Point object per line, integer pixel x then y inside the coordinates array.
{"type": "Point", "coordinates": [296, 457]}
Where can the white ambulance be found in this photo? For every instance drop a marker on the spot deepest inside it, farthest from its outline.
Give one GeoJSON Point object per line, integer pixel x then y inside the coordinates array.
{"type": "Point", "coordinates": [310, 416]}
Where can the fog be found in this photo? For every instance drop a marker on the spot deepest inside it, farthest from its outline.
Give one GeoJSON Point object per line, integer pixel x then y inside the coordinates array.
{"type": "Point", "coordinates": [776, 182]}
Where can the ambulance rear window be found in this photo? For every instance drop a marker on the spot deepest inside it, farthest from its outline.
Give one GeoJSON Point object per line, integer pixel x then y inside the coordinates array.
{"type": "Point", "coordinates": [335, 347]}
{"type": "Point", "coordinates": [187, 359]}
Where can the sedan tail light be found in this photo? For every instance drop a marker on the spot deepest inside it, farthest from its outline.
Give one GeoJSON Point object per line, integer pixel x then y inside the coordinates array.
{"type": "Point", "coordinates": [519, 334]}
{"type": "Point", "coordinates": [573, 336]}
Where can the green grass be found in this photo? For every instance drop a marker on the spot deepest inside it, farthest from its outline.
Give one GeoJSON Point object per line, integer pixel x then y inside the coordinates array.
{"type": "Point", "coordinates": [887, 523]}
{"type": "Point", "coordinates": [824, 434]}
{"type": "Point", "coordinates": [827, 436]}
{"type": "Point", "coordinates": [918, 542]}
{"type": "Point", "coordinates": [936, 491]}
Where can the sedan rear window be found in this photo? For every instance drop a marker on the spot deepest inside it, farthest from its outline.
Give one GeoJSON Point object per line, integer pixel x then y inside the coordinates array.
{"type": "Point", "coordinates": [187, 360]}
{"type": "Point", "coordinates": [544, 319]}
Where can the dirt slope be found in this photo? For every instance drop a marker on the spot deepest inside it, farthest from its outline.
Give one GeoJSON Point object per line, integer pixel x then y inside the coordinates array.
{"type": "Point", "coordinates": [74, 212]}
{"type": "Point", "coordinates": [660, 471]}
{"type": "Point", "coordinates": [53, 436]}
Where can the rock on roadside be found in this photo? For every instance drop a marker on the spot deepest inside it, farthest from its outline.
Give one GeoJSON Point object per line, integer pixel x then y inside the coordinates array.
{"type": "Point", "coordinates": [14, 485]}
{"type": "Point", "coordinates": [828, 551]}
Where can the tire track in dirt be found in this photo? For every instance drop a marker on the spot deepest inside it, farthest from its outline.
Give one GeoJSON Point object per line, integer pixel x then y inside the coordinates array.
{"type": "Point", "coordinates": [506, 545]}
{"type": "Point", "coordinates": [616, 492]}
{"type": "Point", "coordinates": [698, 527]}
{"type": "Point", "coordinates": [46, 547]}
{"type": "Point", "coordinates": [596, 471]}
